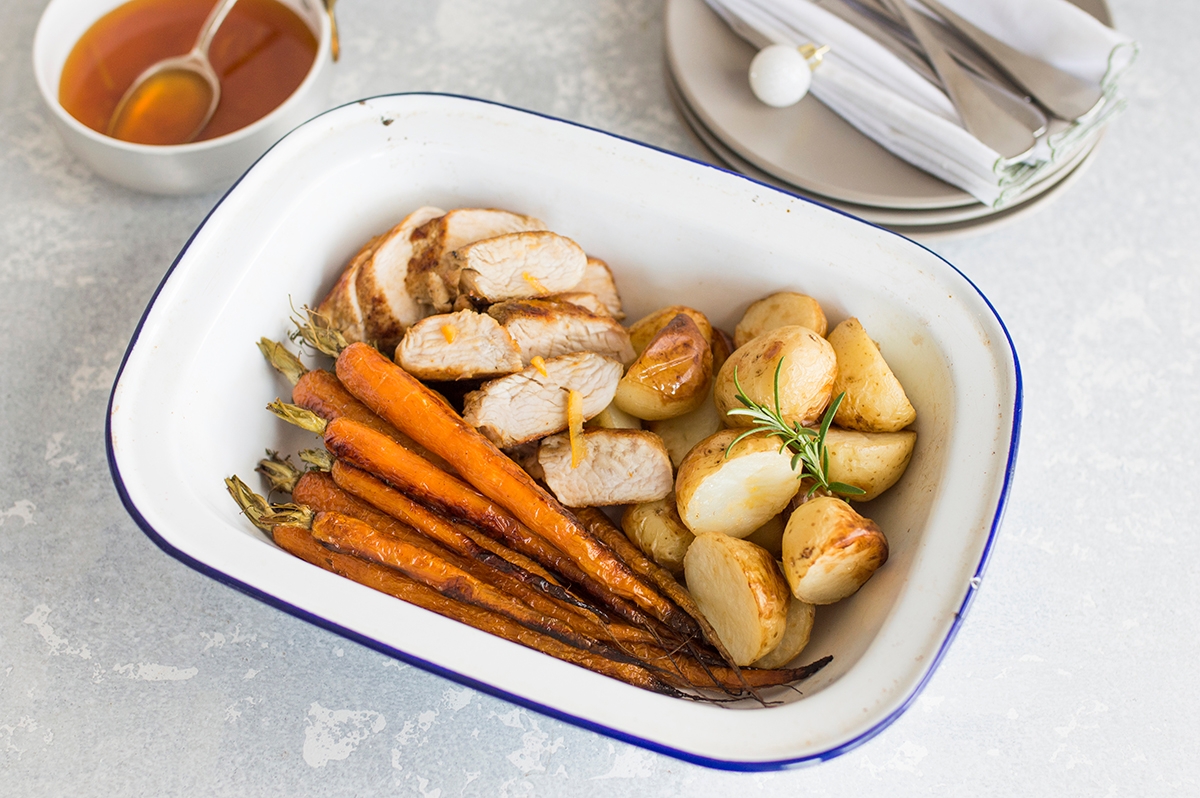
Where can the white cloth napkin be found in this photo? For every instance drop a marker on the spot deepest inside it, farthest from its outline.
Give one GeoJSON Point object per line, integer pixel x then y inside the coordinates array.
{"type": "Point", "coordinates": [888, 101]}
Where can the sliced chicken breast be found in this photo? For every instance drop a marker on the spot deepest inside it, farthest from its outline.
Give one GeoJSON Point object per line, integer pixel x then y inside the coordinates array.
{"type": "Point", "coordinates": [518, 265]}
{"type": "Point", "coordinates": [618, 466]}
{"type": "Point", "coordinates": [340, 305]}
{"type": "Point", "coordinates": [550, 327]}
{"type": "Point", "coordinates": [387, 306]}
{"type": "Point", "coordinates": [432, 278]}
{"type": "Point", "coordinates": [458, 346]}
{"type": "Point", "coordinates": [528, 405]}
{"type": "Point", "coordinates": [589, 302]}
{"type": "Point", "coordinates": [598, 280]}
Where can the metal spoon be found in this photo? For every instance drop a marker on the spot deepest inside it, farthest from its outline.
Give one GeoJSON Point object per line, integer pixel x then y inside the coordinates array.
{"type": "Point", "coordinates": [172, 100]}
{"type": "Point", "coordinates": [984, 119]}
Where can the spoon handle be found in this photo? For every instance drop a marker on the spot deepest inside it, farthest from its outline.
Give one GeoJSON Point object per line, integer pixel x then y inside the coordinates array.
{"type": "Point", "coordinates": [211, 24]}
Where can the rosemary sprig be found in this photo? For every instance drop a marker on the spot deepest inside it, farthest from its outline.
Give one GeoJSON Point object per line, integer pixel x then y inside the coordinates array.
{"type": "Point", "coordinates": [810, 458]}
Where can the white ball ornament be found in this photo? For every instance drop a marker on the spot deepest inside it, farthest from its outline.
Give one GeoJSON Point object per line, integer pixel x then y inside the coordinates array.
{"type": "Point", "coordinates": [780, 75]}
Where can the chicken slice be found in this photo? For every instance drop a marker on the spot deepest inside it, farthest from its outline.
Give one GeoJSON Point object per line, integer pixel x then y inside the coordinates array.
{"type": "Point", "coordinates": [432, 279]}
{"type": "Point", "coordinates": [518, 265]}
{"type": "Point", "coordinates": [618, 466]}
{"type": "Point", "coordinates": [598, 280]}
{"type": "Point", "coordinates": [589, 302]}
{"type": "Point", "coordinates": [458, 346]}
{"type": "Point", "coordinates": [387, 307]}
{"type": "Point", "coordinates": [340, 305]}
{"type": "Point", "coordinates": [550, 327]}
{"type": "Point", "coordinates": [528, 405]}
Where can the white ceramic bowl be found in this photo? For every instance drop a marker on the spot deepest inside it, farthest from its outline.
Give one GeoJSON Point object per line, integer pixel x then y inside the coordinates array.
{"type": "Point", "coordinates": [185, 168]}
{"type": "Point", "coordinates": [187, 409]}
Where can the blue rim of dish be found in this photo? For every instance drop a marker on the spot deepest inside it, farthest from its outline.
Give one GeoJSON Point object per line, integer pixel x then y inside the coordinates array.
{"type": "Point", "coordinates": [711, 762]}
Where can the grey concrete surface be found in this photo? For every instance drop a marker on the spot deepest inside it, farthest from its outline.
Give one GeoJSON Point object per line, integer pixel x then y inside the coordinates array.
{"type": "Point", "coordinates": [122, 672]}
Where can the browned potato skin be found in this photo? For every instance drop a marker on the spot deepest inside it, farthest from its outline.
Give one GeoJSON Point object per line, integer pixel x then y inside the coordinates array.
{"type": "Point", "coordinates": [749, 629]}
{"type": "Point", "coordinates": [875, 401]}
{"type": "Point", "coordinates": [829, 550]}
{"type": "Point", "coordinates": [681, 433]}
{"type": "Point", "coordinates": [780, 310]}
{"type": "Point", "coordinates": [656, 529]}
{"type": "Point", "coordinates": [672, 376]}
{"type": "Point", "coordinates": [722, 347]}
{"type": "Point", "coordinates": [805, 384]}
{"type": "Point", "coordinates": [870, 461]}
{"type": "Point", "coordinates": [795, 636]}
{"type": "Point", "coordinates": [642, 332]}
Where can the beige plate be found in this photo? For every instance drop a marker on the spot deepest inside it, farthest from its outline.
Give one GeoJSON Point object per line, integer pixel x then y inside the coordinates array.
{"type": "Point", "coordinates": [807, 145]}
{"type": "Point", "coordinates": [917, 223]}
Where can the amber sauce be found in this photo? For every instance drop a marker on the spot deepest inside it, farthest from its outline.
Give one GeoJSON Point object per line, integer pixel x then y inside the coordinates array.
{"type": "Point", "coordinates": [262, 53]}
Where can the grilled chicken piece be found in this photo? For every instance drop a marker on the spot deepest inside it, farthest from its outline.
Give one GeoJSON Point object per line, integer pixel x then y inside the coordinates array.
{"type": "Point", "coordinates": [528, 405]}
{"type": "Point", "coordinates": [598, 280]}
{"type": "Point", "coordinates": [340, 305]}
{"type": "Point", "coordinates": [432, 279]}
{"type": "Point", "coordinates": [619, 466]}
{"type": "Point", "coordinates": [388, 309]}
{"type": "Point", "coordinates": [458, 346]}
{"type": "Point", "coordinates": [518, 265]}
{"type": "Point", "coordinates": [550, 327]}
{"type": "Point", "coordinates": [589, 302]}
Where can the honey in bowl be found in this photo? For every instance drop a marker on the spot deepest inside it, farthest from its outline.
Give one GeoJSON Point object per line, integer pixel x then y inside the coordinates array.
{"type": "Point", "coordinates": [261, 53]}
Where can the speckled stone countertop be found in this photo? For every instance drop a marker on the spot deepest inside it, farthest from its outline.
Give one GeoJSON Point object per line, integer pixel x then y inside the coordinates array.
{"type": "Point", "coordinates": [123, 672]}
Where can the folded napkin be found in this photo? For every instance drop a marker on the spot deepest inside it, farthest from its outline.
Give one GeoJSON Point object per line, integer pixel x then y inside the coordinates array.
{"type": "Point", "coordinates": [874, 90]}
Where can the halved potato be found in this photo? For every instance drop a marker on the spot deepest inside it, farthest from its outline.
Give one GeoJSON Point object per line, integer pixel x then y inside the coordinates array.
{"type": "Point", "coordinates": [642, 331]}
{"type": "Point", "coordinates": [655, 528]}
{"type": "Point", "coordinates": [805, 384]}
{"type": "Point", "coordinates": [875, 400]}
{"type": "Point", "coordinates": [740, 591]}
{"type": "Point", "coordinates": [796, 633]}
{"type": "Point", "coordinates": [613, 417]}
{"type": "Point", "coordinates": [829, 550]}
{"type": "Point", "coordinates": [780, 310]}
{"type": "Point", "coordinates": [682, 433]}
{"type": "Point", "coordinates": [671, 376]}
{"type": "Point", "coordinates": [736, 494]}
{"type": "Point", "coordinates": [872, 461]}
{"type": "Point", "coordinates": [770, 535]}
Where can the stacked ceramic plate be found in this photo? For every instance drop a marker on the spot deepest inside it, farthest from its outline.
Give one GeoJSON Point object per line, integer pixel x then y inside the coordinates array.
{"type": "Point", "coordinates": [806, 149]}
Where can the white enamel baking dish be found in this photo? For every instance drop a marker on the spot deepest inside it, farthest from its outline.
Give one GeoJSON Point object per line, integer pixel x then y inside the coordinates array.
{"type": "Point", "coordinates": [187, 407]}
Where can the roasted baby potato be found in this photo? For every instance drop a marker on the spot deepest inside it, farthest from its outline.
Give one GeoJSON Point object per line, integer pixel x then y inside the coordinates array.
{"type": "Point", "coordinates": [671, 376]}
{"type": "Point", "coordinates": [805, 382]}
{"type": "Point", "coordinates": [875, 401]}
{"type": "Point", "coordinates": [795, 636]}
{"type": "Point", "coordinates": [613, 417]}
{"type": "Point", "coordinates": [681, 433]}
{"type": "Point", "coordinates": [770, 534]}
{"type": "Point", "coordinates": [740, 591]}
{"type": "Point", "coordinates": [871, 461]}
{"type": "Point", "coordinates": [737, 493]}
{"type": "Point", "coordinates": [722, 348]}
{"type": "Point", "coordinates": [642, 332]}
{"type": "Point", "coordinates": [656, 529]}
{"type": "Point", "coordinates": [780, 310]}
{"type": "Point", "coordinates": [829, 550]}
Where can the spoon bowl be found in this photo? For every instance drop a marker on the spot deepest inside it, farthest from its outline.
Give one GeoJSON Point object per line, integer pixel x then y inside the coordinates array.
{"type": "Point", "coordinates": [172, 100]}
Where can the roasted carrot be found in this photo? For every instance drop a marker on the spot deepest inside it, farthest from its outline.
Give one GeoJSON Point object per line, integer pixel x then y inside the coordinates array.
{"type": "Point", "coordinates": [352, 536]}
{"type": "Point", "coordinates": [319, 492]}
{"type": "Point", "coordinates": [421, 480]}
{"type": "Point", "coordinates": [408, 405]}
{"type": "Point", "coordinates": [300, 543]}
{"type": "Point", "coordinates": [321, 392]}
